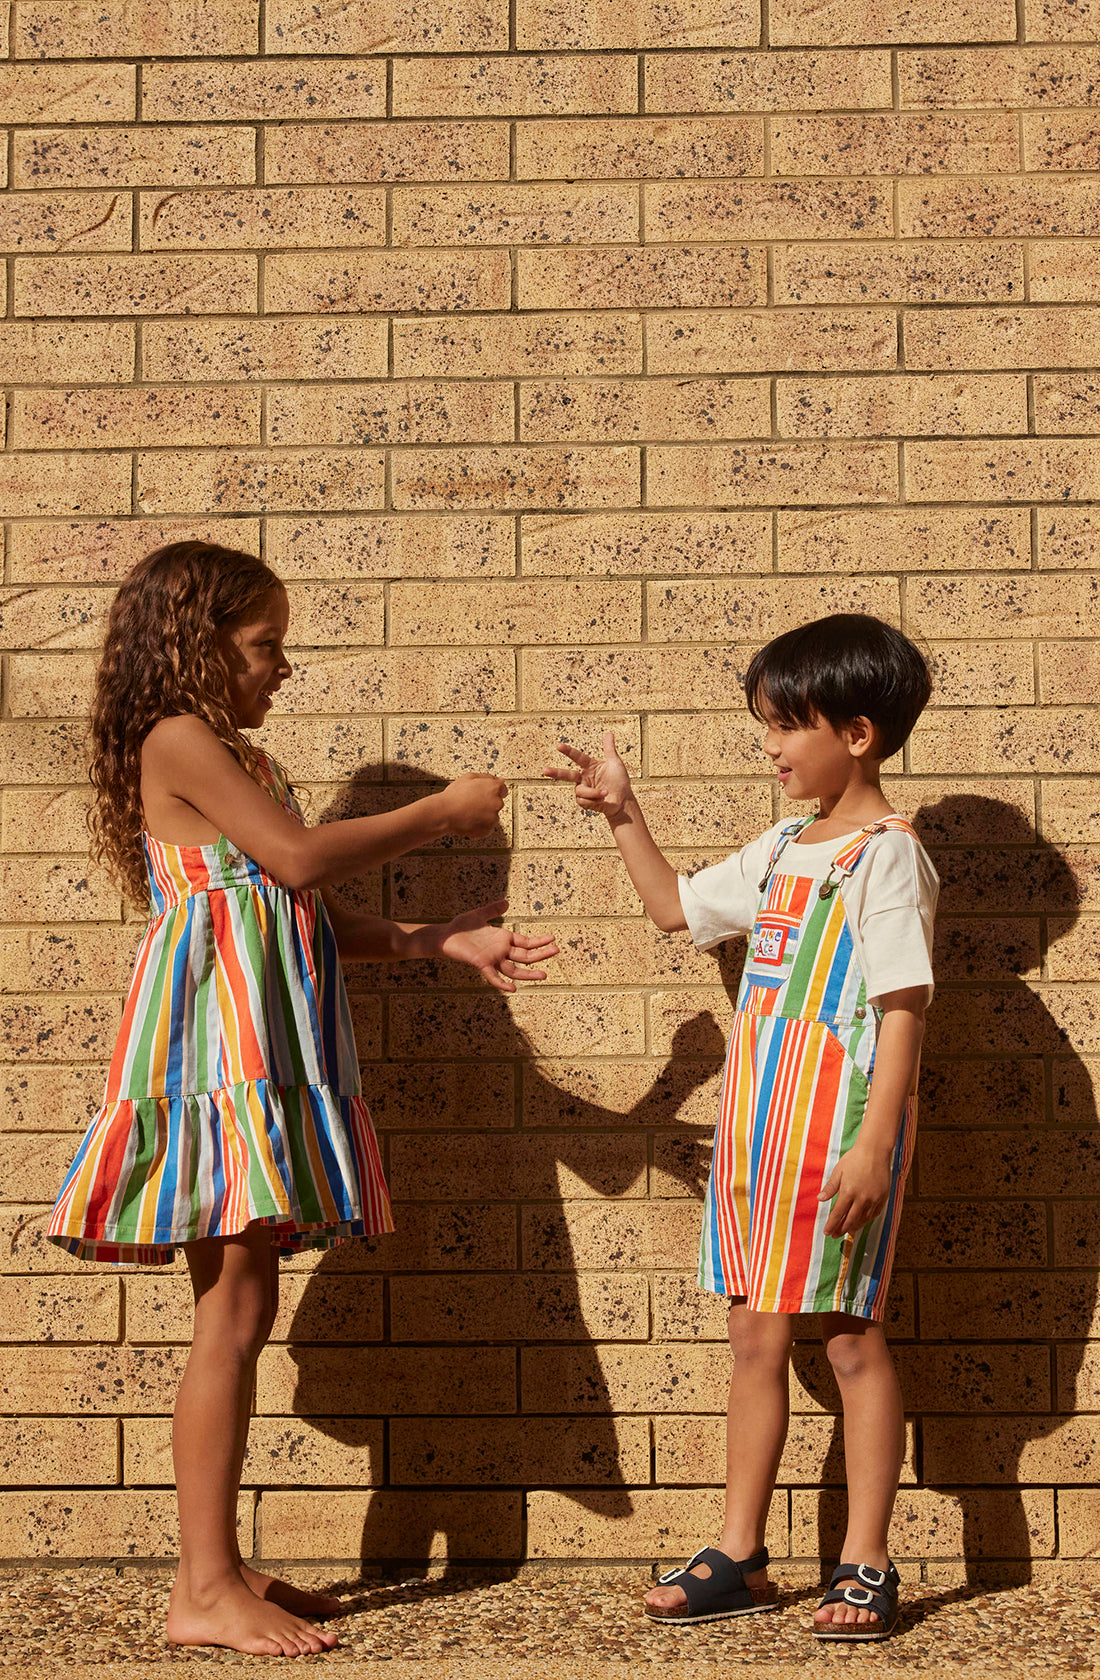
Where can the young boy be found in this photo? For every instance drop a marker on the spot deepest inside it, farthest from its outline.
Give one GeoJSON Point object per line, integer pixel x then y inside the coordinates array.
{"type": "Point", "coordinates": [816, 1122]}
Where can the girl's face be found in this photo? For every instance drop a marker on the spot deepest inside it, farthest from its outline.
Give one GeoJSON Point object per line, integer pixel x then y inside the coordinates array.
{"type": "Point", "coordinates": [254, 659]}
{"type": "Point", "coordinates": [817, 761]}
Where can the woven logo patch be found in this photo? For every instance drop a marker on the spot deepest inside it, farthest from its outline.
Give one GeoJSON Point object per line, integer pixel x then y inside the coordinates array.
{"type": "Point", "coordinates": [770, 943]}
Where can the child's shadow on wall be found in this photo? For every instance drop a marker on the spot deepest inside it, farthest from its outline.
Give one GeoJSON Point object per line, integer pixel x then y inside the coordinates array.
{"type": "Point", "coordinates": [499, 1283]}
{"type": "Point", "coordinates": [1000, 1230]}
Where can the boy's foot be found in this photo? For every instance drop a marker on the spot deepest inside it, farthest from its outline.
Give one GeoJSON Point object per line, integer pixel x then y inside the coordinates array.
{"type": "Point", "coordinates": [232, 1616]}
{"type": "Point", "coordinates": [299, 1603]}
{"type": "Point", "coordinates": [671, 1598]}
{"type": "Point", "coordinates": [862, 1603]}
{"type": "Point", "coordinates": [839, 1614]}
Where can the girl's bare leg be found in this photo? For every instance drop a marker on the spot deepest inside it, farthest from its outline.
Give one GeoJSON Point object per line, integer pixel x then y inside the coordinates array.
{"type": "Point", "coordinates": [211, 1604]}
{"type": "Point", "coordinates": [756, 1428]}
{"type": "Point", "coordinates": [874, 1444]}
{"type": "Point", "coordinates": [269, 1586]}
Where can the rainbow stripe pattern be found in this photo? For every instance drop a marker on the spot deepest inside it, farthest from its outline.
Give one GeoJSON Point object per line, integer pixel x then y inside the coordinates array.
{"type": "Point", "coordinates": [233, 1093]}
{"type": "Point", "coordinates": [796, 1083]}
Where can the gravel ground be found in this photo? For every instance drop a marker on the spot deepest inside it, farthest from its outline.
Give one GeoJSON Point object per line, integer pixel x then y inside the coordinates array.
{"type": "Point", "coordinates": [550, 1625]}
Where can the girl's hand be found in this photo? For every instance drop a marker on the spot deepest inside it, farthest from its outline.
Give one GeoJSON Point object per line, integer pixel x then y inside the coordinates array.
{"type": "Point", "coordinates": [599, 785]}
{"type": "Point", "coordinates": [497, 953]}
{"type": "Point", "coordinates": [472, 804]}
{"type": "Point", "coordinates": [860, 1181]}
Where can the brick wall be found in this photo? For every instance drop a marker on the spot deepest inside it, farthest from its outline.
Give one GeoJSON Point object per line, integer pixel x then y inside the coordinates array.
{"type": "Point", "coordinates": [557, 359]}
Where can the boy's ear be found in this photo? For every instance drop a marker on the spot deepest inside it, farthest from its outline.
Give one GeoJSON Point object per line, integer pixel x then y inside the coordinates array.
{"type": "Point", "coordinates": [862, 737]}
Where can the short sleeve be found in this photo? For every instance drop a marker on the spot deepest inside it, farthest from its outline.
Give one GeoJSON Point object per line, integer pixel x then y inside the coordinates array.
{"type": "Point", "coordinates": [895, 914]}
{"type": "Point", "coordinates": [722, 901]}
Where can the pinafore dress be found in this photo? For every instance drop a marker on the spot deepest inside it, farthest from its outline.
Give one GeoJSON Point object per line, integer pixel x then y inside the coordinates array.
{"type": "Point", "coordinates": [797, 1078]}
{"type": "Point", "coordinates": [233, 1093]}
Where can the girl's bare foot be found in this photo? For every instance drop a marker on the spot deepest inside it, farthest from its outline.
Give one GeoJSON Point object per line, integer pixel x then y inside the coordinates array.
{"type": "Point", "coordinates": [274, 1591]}
{"type": "Point", "coordinates": [670, 1598]}
{"type": "Point", "coordinates": [228, 1613]}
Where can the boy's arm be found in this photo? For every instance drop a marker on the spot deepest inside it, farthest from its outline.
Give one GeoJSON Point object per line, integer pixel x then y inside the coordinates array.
{"type": "Point", "coordinates": [604, 785]}
{"type": "Point", "coordinates": [498, 954]}
{"type": "Point", "coordinates": [860, 1181]}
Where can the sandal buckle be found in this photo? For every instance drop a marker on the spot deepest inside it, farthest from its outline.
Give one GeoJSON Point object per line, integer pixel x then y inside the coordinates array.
{"type": "Point", "coordinates": [871, 1577]}
{"type": "Point", "coordinates": [858, 1595]}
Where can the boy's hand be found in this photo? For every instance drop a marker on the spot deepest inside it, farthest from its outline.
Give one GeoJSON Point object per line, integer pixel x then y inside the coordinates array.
{"type": "Point", "coordinates": [600, 785]}
{"type": "Point", "coordinates": [860, 1181]}
{"type": "Point", "coordinates": [472, 804]}
{"type": "Point", "coordinates": [497, 953]}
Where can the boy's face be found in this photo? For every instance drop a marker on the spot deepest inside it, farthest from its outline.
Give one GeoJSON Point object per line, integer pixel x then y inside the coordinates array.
{"type": "Point", "coordinates": [815, 761]}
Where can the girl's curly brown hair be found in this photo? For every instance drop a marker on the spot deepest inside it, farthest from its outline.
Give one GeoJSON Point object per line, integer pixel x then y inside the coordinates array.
{"type": "Point", "coordinates": [162, 657]}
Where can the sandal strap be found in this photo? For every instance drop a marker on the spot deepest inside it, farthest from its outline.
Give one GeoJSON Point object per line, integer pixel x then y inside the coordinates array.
{"type": "Point", "coordinates": [867, 1589]}
{"type": "Point", "coordinates": [724, 1588]}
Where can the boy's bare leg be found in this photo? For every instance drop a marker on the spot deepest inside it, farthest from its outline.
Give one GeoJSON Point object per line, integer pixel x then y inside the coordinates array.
{"type": "Point", "coordinates": [756, 1428]}
{"type": "Point", "coordinates": [874, 1445]}
{"type": "Point", "coordinates": [210, 1604]}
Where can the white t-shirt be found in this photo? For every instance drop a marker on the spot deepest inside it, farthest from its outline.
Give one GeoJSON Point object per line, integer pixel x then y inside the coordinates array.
{"type": "Point", "coordinates": [889, 902]}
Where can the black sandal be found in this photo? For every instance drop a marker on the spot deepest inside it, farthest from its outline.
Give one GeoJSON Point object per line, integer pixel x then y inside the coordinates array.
{"type": "Point", "coordinates": [869, 1589]}
{"type": "Point", "coordinates": [721, 1593]}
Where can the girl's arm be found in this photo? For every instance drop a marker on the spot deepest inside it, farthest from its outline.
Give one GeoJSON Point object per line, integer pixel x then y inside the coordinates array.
{"type": "Point", "coordinates": [188, 765]}
{"type": "Point", "coordinates": [605, 786]}
{"type": "Point", "coordinates": [860, 1181]}
{"type": "Point", "coordinates": [497, 953]}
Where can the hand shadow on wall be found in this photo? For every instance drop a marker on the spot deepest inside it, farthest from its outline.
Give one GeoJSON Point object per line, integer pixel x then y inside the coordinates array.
{"type": "Point", "coordinates": [997, 1308]}
{"type": "Point", "coordinates": [531, 1312]}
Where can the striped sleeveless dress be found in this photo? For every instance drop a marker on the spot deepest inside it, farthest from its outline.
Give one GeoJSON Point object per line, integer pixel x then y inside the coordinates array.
{"type": "Point", "coordinates": [798, 1074]}
{"type": "Point", "coordinates": [233, 1093]}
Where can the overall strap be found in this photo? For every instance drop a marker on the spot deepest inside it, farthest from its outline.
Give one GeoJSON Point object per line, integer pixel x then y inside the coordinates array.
{"type": "Point", "coordinates": [847, 860]}
{"type": "Point", "coordinates": [784, 839]}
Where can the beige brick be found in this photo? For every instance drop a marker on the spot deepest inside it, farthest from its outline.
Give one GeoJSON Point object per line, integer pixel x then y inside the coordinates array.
{"type": "Point", "coordinates": [57, 352]}
{"type": "Point", "coordinates": [56, 618]}
{"type": "Point", "coordinates": [366, 1016]}
{"type": "Point", "coordinates": [380, 26]}
{"type": "Point", "coordinates": [331, 615]}
{"type": "Point", "coordinates": [393, 1524]}
{"type": "Point", "coordinates": [135, 285]}
{"type": "Point", "coordinates": [37, 1029]}
{"type": "Point", "coordinates": [393, 412]}
{"type": "Point", "coordinates": [895, 144]}
{"type": "Point", "coordinates": [61, 1451]}
{"type": "Point", "coordinates": [405, 1096]}
{"type": "Point", "coordinates": [986, 948]}
{"type": "Point", "coordinates": [323, 751]}
{"type": "Point", "coordinates": [100, 1381]}
{"type": "Point", "coordinates": [795, 209]}
{"type": "Point", "coordinates": [65, 222]}
{"type": "Point", "coordinates": [376, 281]}
{"type": "Point", "coordinates": [1065, 140]}
{"type": "Point", "coordinates": [101, 1524]}
{"type": "Point", "coordinates": [897, 405]}
{"type": "Point", "coordinates": [571, 85]}
{"type": "Point", "coordinates": [979, 1378]}
{"type": "Point", "coordinates": [1061, 1301]}
{"type": "Point", "coordinates": [1015, 878]}
{"type": "Point", "coordinates": [549, 1023]}
{"type": "Point", "coordinates": [34, 484]}
{"type": "Point", "coordinates": [712, 341]}
{"type": "Point", "coordinates": [427, 613]}
{"type": "Point", "coordinates": [1012, 207]}
{"type": "Point", "coordinates": [69, 958]}
{"type": "Point", "coordinates": [562, 24]}
{"type": "Point", "coordinates": [928, 539]}
{"type": "Point", "coordinates": [652, 677]}
{"type": "Point", "coordinates": [755, 612]}
{"type": "Point", "coordinates": [102, 551]}
{"type": "Point", "coordinates": [387, 547]}
{"type": "Point", "coordinates": [645, 543]}
{"type": "Point", "coordinates": [163, 156]}
{"type": "Point", "coordinates": [487, 1451]}
{"type": "Point", "coordinates": [1009, 76]}
{"type": "Point", "coordinates": [281, 1452]}
{"type": "Point", "coordinates": [804, 23]}
{"type": "Point", "coordinates": [646, 277]}
{"type": "Point", "coordinates": [640, 147]}
{"type": "Point", "coordinates": [695, 814]}
{"type": "Point", "coordinates": [523, 1168]}
{"type": "Point", "coordinates": [704, 744]}
{"type": "Point", "coordinates": [1062, 20]}
{"type": "Point", "coordinates": [1066, 271]}
{"type": "Point", "coordinates": [1014, 472]}
{"type": "Point", "coordinates": [58, 1309]}
{"type": "Point", "coordinates": [540, 1307]}
{"type": "Point", "coordinates": [1073, 956]}
{"type": "Point", "coordinates": [304, 349]}
{"type": "Point", "coordinates": [585, 1235]}
{"type": "Point", "coordinates": [387, 151]}
{"type": "Point", "coordinates": [567, 411]}
{"type": "Point", "coordinates": [996, 1163]}
{"type": "Point", "coordinates": [515, 213]}
{"type": "Point", "coordinates": [263, 217]}
{"type": "Point", "coordinates": [973, 1233]}
{"type": "Point", "coordinates": [945, 272]}
{"type": "Point", "coordinates": [1078, 1522]}
{"type": "Point", "coordinates": [661, 1524]}
{"type": "Point", "coordinates": [260, 481]}
{"type": "Point", "coordinates": [950, 815]}
{"type": "Point", "coordinates": [1071, 810]}
{"type": "Point", "coordinates": [39, 93]}
{"type": "Point", "coordinates": [1025, 1023]}
{"type": "Point", "coordinates": [27, 1249]}
{"type": "Point", "coordinates": [994, 338]}
{"type": "Point", "coordinates": [541, 477]}
{"type": "Point", "coordinates": [273, 87]}
{"type": "Point", "coordinates": [615, 955]}
{"type": "Point", "coordinates": [392, 680]}
{"type": "Point", "coordinates": [767, 81]}
{"type": "Point", "coordinates": [538, 884]}
{"type": "Point", "coordinates": [513, 345]}
{"type": "Point", "coordinates": [38, 754]}
{"type": "Point", "coordinates": [1067, 539]}
{"type": "Point", "coordinates": [1075, 1232]}
{"type": "Point", "coordinates": [783, 475]}
{"type": "Point", "coordinates": [603, 1092]}
{"type": "Point", "coordinates": [311, 1309]}
{"type": "Point", "coordinates": [1066, 404]}
{"type": "Point", "coordinates": [134, 418]}
{"type": "Point", "coordinates": [1031, 605]}
{"type": "Point", "coordinates": [814, 1452]}
{"type": "Point", "coordinates": [673, 1379]}
{"type": "Point", "coordinates": [69, 1095]}
{"type": "Point", "coordinates": [356, 1382]}
{"type": "Point", "coordinates": [1078, 1374]}
{"type": "Point", "coordinates": [450, 1238]}
{"type": "Point", "coordinates": [134, 28]}
{"type": "Point", "coordinates": [929, 1524]}
{"type": "Point", "coordinates": [994, 674]}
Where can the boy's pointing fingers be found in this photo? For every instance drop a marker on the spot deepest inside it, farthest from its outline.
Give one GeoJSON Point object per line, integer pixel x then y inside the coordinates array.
{"type": "Point", "coordinates": [581, 760]}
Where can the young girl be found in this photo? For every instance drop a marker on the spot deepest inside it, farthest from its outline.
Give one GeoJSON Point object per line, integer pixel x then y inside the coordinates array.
{"type": "Point", "coordinates": [815, 1129]}
{"type": "Point", "coordinates": [233, 1124]}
